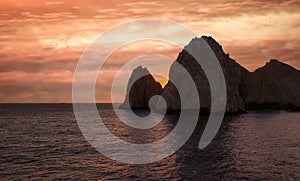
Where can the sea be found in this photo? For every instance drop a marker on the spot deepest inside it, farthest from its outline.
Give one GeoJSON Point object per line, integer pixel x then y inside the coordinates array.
{"type": "Point", "coordinates": [44, 142]}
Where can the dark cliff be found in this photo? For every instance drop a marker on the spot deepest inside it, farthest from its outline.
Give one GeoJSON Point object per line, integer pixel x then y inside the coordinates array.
{"type": "Point", "coordinates": [234, 76]}
{"type": "Point", "coordinates": [142, 89]}
{"type": "Point", "coordinates": [273, 86]}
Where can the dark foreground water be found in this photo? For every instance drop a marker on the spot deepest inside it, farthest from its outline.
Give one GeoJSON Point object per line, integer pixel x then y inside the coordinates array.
{"type": "Point", "coordinates": [43, 141]}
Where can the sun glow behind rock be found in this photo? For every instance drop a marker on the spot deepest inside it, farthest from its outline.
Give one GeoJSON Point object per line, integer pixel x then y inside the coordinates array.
{"type": "Point", "coordinates": [44, 38]}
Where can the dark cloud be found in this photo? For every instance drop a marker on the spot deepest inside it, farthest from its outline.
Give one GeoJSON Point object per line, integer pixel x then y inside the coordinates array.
{"type": "Point", "coordinates": [29, 66]}
{"type": "Point", "coordinates": [36, 92]}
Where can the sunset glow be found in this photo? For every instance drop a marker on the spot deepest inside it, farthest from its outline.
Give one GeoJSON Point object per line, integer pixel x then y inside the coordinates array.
{"type": "Point", "coordinates": [42, 41]}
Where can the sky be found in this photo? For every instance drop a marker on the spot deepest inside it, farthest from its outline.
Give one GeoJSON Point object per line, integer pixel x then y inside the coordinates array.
{"type": "Point", "coordinates": [41, 42]}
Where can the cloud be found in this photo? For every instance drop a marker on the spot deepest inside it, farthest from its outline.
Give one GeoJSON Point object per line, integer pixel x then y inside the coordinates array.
{"type": "Point", "coordinates": [41, 42]}
{"type": "Point", "coordinates": [256, 53]}
{"type": "Point", "coordinates": [54, 3]}
{"type": "Point", "coordinates": [51, 86]}
{"type": "Point", "coordinates": [140, 3]}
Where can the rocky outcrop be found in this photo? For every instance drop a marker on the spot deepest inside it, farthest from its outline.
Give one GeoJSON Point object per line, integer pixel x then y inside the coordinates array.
{"type": "Point", "coordinates": [141, 87]}
{"type": "Point", "coordinates": [274, 86]}
{"type": "Point", "coordinates": [234, 77]}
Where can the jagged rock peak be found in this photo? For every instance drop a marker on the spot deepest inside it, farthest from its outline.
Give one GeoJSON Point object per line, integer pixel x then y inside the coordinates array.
{"type": "Point", "coordinates": [216, 47]}
{"type": "Point", "coordinates": [275, 62]}
{"type": "Point", "coordinates": [275, 65]}
{"type": "Point", "coordinates": [141, 69]}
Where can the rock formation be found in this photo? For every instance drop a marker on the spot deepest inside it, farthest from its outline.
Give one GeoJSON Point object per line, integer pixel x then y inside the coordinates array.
{"type": "Point", "coordinates": [274, 86]}
{"type": "Point", "coordinates": [234, 76]}
{"type": "Point", "coordinates": [141, 87]}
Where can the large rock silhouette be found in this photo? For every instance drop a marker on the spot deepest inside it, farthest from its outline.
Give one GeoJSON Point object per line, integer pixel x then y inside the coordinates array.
{"type": "Point", "coordinates": [274, 86]}
{"type": "Point", "coordinates": [234, 77]}
{"type": "Point", "coordinates": [141, 87]}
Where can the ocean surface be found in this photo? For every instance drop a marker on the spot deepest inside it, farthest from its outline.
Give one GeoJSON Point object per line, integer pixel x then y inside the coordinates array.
{"type": "Point", "coordinates": [43, 141]}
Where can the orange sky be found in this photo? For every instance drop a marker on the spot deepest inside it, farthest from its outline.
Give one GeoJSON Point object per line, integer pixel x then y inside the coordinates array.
{"type": "Point", "coordinates": [41, 41]}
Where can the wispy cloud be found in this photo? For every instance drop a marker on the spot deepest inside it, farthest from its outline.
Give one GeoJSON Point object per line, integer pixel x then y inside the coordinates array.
{"type": "Point", "coordinates": [54, 3]}
{"type": "Point", "coordinates": [41, 42]}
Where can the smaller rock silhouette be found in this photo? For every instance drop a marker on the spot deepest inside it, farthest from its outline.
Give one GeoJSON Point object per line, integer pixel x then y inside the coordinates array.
{"type": "Point", "coordinates": [273, 86]}
{"type": "Point", "coordinates": [141, 87]}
